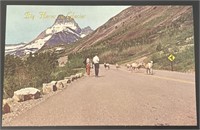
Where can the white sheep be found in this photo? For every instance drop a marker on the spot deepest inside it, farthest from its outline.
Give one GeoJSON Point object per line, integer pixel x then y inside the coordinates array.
{"type": "Point", "coordinates": [149, 67]}
{"type": "Point", "coordinates": [133, 66]}
{"type": "Point", "coordinates": [128, 66]}
{"type": "Point", "coordinates": [117, 66]}
{"type": "Point", "coordinates": [136, 66]}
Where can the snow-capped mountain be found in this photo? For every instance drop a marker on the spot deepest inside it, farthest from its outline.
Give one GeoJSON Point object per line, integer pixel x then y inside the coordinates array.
{"type": "Point", "coordinates": [64, 31]}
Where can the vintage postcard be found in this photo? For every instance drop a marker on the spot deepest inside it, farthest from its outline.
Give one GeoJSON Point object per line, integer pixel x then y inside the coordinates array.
{"type": "Point", "coordinates": [99, 65]}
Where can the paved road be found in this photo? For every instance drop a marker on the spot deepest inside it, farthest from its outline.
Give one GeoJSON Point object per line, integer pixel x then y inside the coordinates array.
{"type": "Point", "coordinates": [119, 97]}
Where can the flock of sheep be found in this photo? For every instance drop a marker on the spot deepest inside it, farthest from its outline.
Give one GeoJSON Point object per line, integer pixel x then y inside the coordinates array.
{"type": "Point", "coordinates": [135, 66]}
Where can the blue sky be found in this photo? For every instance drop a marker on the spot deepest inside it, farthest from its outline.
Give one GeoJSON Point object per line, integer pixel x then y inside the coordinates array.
{"type": "Point", "coordinates": [26, 22]}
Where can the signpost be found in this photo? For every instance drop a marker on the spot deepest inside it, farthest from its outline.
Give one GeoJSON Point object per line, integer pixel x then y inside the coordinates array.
{"type": "Point", "coordinates": [171, 58]}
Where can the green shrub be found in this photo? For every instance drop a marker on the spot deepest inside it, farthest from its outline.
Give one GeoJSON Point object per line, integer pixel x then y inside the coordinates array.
{"type": "Point", "coordinates": [31, 72]}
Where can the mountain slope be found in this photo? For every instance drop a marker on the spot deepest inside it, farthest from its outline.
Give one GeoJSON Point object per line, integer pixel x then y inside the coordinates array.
{"type": "Point", "coordinates": [137, 22]}
{"type": "Point", "coordinates": [154, 32]}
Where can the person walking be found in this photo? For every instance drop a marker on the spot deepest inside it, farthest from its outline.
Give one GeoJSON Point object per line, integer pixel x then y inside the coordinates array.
{"type": "Point", "coordinates": [96, 65]}
{"type": "Point", "coordinates": [88, 66]}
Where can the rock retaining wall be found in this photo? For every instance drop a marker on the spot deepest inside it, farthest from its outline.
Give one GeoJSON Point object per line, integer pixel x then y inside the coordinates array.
{"type": "Point", "coordinates": [33, 93]}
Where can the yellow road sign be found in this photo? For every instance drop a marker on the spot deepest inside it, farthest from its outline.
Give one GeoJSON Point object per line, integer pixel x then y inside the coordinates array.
{"type": "Point", "coordinates": [171, 57]}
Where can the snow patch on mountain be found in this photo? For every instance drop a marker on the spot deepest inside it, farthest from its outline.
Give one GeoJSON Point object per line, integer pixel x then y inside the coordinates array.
{"type": "Point", "coordinates": [38, 44]}
{"type": "Point", "coordinates": [60, 27]}
{"type": "Point", "coordinates": [12, 48]}
{"type": "Point", "coordinates": [83, 35]}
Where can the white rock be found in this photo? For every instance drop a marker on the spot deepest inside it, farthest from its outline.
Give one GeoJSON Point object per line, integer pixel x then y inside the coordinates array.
{"type": "Point", "coordinates": [65, 82]}
{"type": "Point", "coordinates": [53, 82]}
{"type": "Point", "coordinates": [48, 87]}
{"type": "Point", "coordinates": [73, 77]}
{"type": "Point", "coordinates": [8, 100]}
{"type": "Point", "coordinates": [60, 85]}
{"type": "Point", "coordinates": [79, 75]}
{"type": "Point", "coordinates": [69, 79]}
{"type": "Point", "coordinates": [26, 94]}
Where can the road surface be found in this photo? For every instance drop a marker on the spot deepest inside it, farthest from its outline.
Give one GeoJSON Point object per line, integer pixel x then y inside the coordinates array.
{"type": "Point", "coordinates": [119, 97]}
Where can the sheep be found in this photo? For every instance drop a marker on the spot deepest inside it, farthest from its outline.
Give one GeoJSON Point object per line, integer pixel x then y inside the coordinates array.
{"type": "Point", "coordinates": [133, 66]}
{"type": "Point", "coordinates": [136, 66]}
{"type": "Point", "coordinates": [106, 65]}
{"type": "Point", "coordinates": [149, 67]}
{"type": "Point", "coordinates": [117, 66]}
{"type": "Point", "coordinates": [128, 66]}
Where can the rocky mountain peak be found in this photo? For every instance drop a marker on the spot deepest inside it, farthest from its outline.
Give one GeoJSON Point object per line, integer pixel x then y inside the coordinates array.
{"type": "Point", "coordinates": [87, 30]}
{"type": "Point", "coordinates": [61, 19]}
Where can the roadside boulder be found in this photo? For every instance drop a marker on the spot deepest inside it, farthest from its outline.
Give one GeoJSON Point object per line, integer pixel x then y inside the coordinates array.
{"type": "Point", "coordinates": [73, 77]}
{"type": "Point", "coordinates": [53, 82]}
{"type": "Point", "coordinates": [79, 75]}
{"type": "Point", "coordinates": [68, 79]}
{"type": "Point", "coordinates": [65, 82]}
{"type": "Point", "coordinates": [60, 85]}
{"type": "Point", "coordinates": [49, 87]}
{"type": "Point", "coordinates": [5, 108]}
{"type": "Point", "coordinates": [26, 94]}
{"type": "Point", "coordinates": [8, 100]}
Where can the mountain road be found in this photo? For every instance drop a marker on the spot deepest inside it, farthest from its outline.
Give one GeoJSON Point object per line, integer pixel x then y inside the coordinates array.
{"type": "Point", "coordinates": [119, 97]}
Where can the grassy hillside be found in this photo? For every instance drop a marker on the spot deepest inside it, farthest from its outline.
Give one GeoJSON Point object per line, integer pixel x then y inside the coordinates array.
{"type": "Point", "coordinates": [154, 32]}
